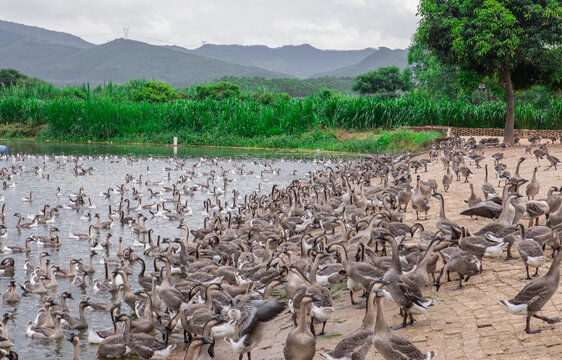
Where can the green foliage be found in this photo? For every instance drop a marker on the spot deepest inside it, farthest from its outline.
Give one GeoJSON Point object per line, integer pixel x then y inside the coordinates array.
{"type": "Point", "coordinates": [153, 91]}
{"type": "Point", "coordinates": [217, 91]}
{"type": "Point", "coordinates": [10, 77]}
{"type": "Point", "coordinates": [291, 86]}
{"type": "Point", "coordinates": [386, 80]}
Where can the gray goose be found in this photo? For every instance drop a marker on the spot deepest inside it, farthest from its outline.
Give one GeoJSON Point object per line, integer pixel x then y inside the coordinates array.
{"type": "Point", "coordinates": [255, 313]}
{"type": "Point", "coordinates": [535, 295]}
{"type": "Point", "coordinates": [447, 179]}
{"type": "Point", "coordinates": [11, 296]}
{"type": "Point", "coordinates": [533, 186]}
{"type": "Point", "coordinates": [390, 344]}
{"type": "Point", "coordinates": [487, 188]}
{"type": "Point", "coordinates": [530, 251]}
{"type": "Point", "coordinates": [402, 289]}
{"type": "Point", "coordinates": [357, 344]}
{"type": "Point", "coordinates": [419, 202]}
{"type": "Point", "coordinates": [144, 345]}
{"type": "Point", "coordinates": [462, 262]}
{"type": "Point", "coordinates": [444, 224]}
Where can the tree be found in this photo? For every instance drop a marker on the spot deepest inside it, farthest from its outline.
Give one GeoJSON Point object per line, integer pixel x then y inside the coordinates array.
{"type": "Point", "coordinates": [10, 76]}
{"type": "Point", "coordinates": [516, 40]}
{"type": "Point", "coordinates": [386, 79]}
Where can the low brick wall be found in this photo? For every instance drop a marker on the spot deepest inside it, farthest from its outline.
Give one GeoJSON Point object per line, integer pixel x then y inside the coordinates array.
{"type": "Point", "coordinates": [490, 132]}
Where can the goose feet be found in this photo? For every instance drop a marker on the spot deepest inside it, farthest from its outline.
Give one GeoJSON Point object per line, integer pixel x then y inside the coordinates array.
{"type": "Point", "coordinates": [536, 273]}
{"type": "Point", "coordinates": [548, 320]}
{"type": "Point", "coordinates": [353, 302]}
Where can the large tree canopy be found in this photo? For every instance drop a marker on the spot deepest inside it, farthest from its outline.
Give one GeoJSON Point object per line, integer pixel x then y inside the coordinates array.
{"type": "Point", "coordinates": [386, 79]}
{"type": "Point", "coordinates": [517, 40]}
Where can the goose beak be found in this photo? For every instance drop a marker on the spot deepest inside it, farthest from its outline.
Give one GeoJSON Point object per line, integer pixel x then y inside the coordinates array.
{"type": "Point", "coordinates": [207, 340]}
{"type": "Point", "coordinates": [379, 293]}
{"type": "Point", "coordinates": [314, 297]}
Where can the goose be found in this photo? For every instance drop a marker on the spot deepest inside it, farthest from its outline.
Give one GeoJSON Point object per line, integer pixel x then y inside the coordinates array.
{"type": "Point", "coordinates": [144, 345]}
{"type": "Point", "coordinates": [390, 344]}
{"type": "Point", "coordinates": [535, 295]}
{"type": "Point", "coordinates": [553, 160]}
{"type": "Point", "coordinates": [255, 314]}
{"type": "Point", "coordinates": [466, 172]}
{"type": "Point", "coordinates": [102, 225]}
{"type": "Point", "coordinates": [300, 343]}
{"type": "Point", "coordinates": [28, 199]}
{"type": "Point", "coordinates": [81, 236]}
{"type": "Point", "coordinates": [359, 275]}
{"type": "Point", "coordinates": [61, 308]}
{"type": "Point", "coordinates": [487, 188]}
{"type": "Point", "coordinates": [19, 249]}
{"type": "Point", "coordinates": [530, 251]}
{"type": "Point", "coordinates": [75, 341]}
{"type": "Point", "coordinates": [473, 199]}
{"type": "Point", "coordinates": [460, 261]}
{"type": "Point", "coordinates": [7, 266]}
{"type": "Point", "coordinates": [447, 179]}
{"type": "Point", "coordinates": [443, 223]}
{"type": "Point", "coordinates": [27, 225]}
{"type": "Point", "coordinates": [534, 209]}
{"type": "Point", "coordinates": [194, 345]}
{"type": "Point", "coordinates": [8, 342]}
{"type": "Point", "coordinates": [357, 344]}
{"type": "Point", "coordinates": [402, 289]}
{"type": "Point", "coordinates": [322, 307]}
{"type": "Point", "coordinates": [40, 332]}
{"type": "Point", "coordinates": [11, 296]}
{"type": "Point", "coordinates": [533, 186]}
{"type": "Point", "coordinates": [419, 202]}
{"type": "Point", "coordinates": [80, 322]}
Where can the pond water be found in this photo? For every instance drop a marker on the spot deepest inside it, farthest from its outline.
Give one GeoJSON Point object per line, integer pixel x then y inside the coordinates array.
{"type": "Point", "coordinates": [153, 163]}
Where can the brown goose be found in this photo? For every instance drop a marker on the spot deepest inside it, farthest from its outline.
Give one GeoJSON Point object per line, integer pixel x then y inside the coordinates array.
{"type": "Point", "coordinates": [535, 295]}
{"type": "Point", "coordinates": [533, 186]}
{"type": "Point", "coordinates": [300, 344]}
{"type": "Point", "coordinates": [462, 262]}
{"type": "Point", "coordinates": [402, 289]}
{"type": "Point", "coordinates": [357, 344]}
{"type": "Point", "coordinates": [359, 275]}
{"type": "Point", "coordinates": [390, 344]}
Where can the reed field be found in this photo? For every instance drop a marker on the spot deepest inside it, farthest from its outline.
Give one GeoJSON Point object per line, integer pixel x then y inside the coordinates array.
{"type": "Point", "coordinates": [79, 113]}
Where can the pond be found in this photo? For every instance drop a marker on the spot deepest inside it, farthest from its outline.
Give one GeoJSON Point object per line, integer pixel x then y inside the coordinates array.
{"type": "Point", "coordinates": [45, 168]}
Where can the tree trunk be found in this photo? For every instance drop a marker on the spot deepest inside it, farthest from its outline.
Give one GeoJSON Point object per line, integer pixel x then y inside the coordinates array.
{"type": "Point", "coordinates": [508, 133]}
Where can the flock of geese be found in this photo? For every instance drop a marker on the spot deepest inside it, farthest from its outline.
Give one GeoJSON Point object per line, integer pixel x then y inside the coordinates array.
{"type": "Point", "coordinates": [281, 253]}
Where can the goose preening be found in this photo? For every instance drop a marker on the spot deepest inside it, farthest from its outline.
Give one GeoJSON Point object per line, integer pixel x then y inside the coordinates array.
{"type": "Point", "coordinates": [535, 295]}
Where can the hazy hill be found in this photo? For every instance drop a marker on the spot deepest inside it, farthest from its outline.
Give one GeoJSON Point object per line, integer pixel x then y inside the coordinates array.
{"type": "Point", "coordinates": [122, 60]}
{"type": "Point", "coordinates": [297, 60]}
{"type": "Point", "coordinates": [62, 59]}
{"type": "Point", "coordinates": [379, 58]}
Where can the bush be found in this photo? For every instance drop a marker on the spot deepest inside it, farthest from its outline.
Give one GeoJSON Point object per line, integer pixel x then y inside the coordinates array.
{"type": "Point", "coordinates": [217, 91]}
{"type": "Point", "coordinates": [154, 92]}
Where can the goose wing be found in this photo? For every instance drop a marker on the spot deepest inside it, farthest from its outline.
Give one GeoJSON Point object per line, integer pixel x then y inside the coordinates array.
{"type": "Point", "coordinates": [350, 344]}
{"type": "Point", "coordinates": [411, 291]}
{"type": "Point", "coordinates": [488, 209]}
{"type": "Point", "coordinates": [367, 270]}
{"type": "Point", "coordinates": [530, 248]}
{"type": "Point", "coordinates": [532, 292]}
{"type": "Point", "coordinates": [404, 347]}
{"type": "Point", "coordinates": [255, 311]}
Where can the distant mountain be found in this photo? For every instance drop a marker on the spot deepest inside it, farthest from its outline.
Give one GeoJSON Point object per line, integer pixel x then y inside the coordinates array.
{"type": "Point", "coordinates": [298, 60]}
{"type": "Point", "coordinates": [62, 59]}
{"type": "Point", "coordinates": [379, 58]}
{"type": "Point", "coordinates": [122, 60]}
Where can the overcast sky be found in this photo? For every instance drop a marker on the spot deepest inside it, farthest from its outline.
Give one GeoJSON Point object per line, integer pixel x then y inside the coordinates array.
{"type": "Point", "coordinates": [326, 24]}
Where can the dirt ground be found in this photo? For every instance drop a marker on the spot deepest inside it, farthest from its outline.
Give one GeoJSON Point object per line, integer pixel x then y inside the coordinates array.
{"type": "Point", "coordinates": [464, 324]}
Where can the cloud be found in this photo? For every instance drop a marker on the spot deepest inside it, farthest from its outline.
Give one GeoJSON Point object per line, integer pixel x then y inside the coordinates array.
{"type": "Point", "coordinates": [326, 24]}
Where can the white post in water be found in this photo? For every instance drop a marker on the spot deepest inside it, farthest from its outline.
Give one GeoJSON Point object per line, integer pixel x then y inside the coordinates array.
{"type": "Point", "coordinates": [175, 145]}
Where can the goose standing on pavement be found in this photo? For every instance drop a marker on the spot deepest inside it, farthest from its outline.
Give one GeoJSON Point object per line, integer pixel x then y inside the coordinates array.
{"type": "Point", "coordinates": [536, 294]}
